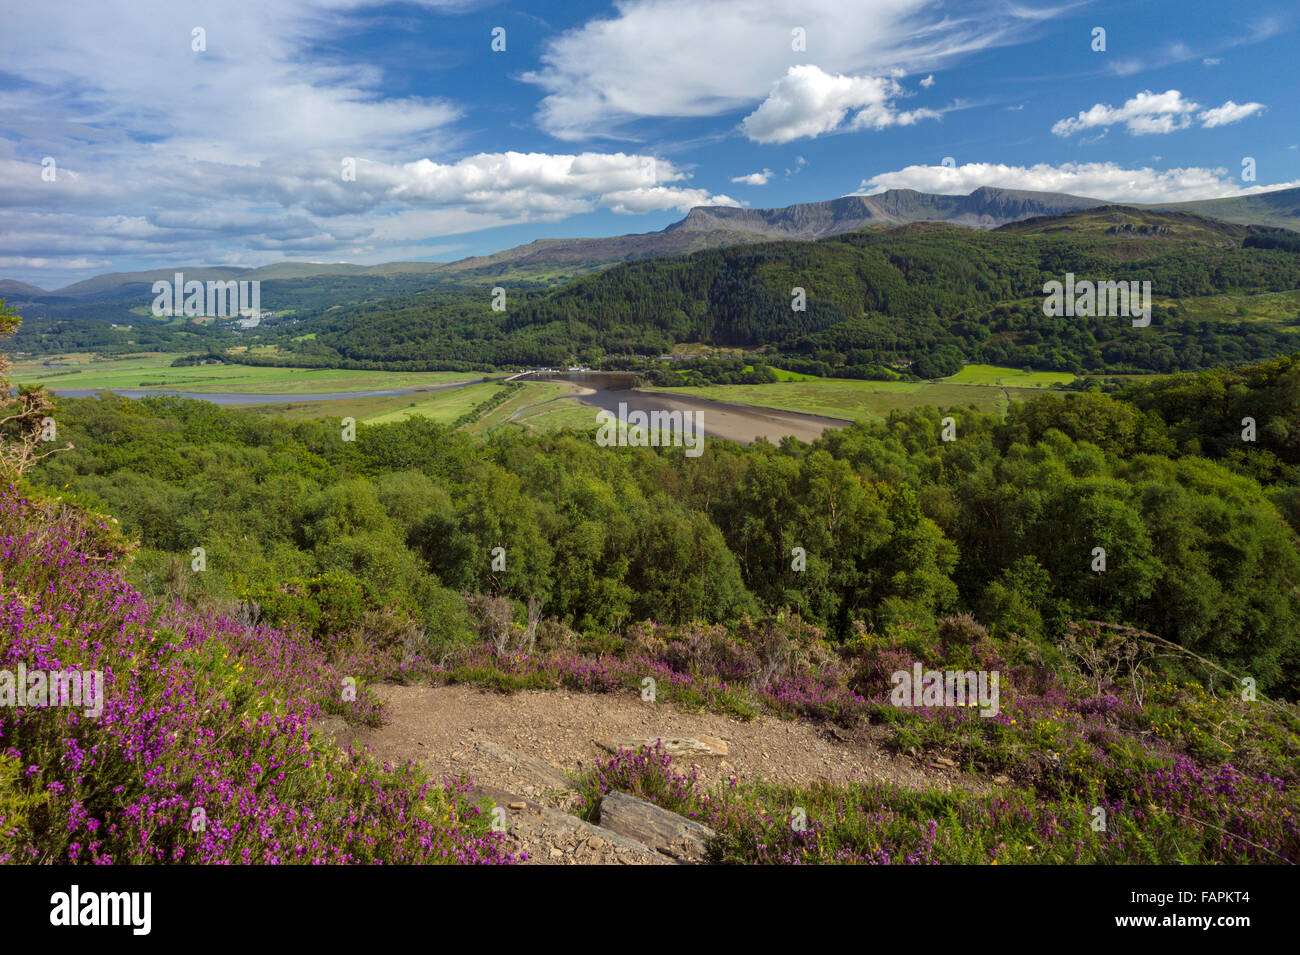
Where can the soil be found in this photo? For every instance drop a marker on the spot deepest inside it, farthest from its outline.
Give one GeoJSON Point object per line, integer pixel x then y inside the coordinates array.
{"type": "Point", "coordinates": [522, 749]}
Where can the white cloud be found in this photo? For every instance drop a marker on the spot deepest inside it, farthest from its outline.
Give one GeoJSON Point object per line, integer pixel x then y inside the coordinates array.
{"type": "Point", "coordinates": [807, 102]}
{"type": "Point", "coordinates": [682, 58]}
{"type": "Point", "coordinates": [541, 182]}
{"type": "Point", "coordinates": [927, 82]}
{"type": "Point", "coordinates": [1149, 112]}
{"type": "Point", "coordinates": [1211, 61]}
{"type": "Point", "coordinates": [304, 209]}
{"type": "Point", "coordinates": [754, 178]}
{"type": "Point", "coordinates": [652, 199]}
{"type": "Point", "coordinates": [1145, 113]}
{"type": "Point", "coordinates": [1106, 181]}
{"type": "Point", "coordinates": [1229, 112]}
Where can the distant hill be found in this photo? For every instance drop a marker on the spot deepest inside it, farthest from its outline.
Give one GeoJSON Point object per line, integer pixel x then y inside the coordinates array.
{"type": "Point", "coordinates": [1141, 225]}
{"type": "Point", "coordinates": [1280, 208]}
{"type": "Point", "coordinates": [924, 296]}
{"type": "Point", "coordinates": [9, 288]}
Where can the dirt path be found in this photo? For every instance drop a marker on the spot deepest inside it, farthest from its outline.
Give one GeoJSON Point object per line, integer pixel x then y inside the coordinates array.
{"type": "Point", "coordinates": [519, 748]}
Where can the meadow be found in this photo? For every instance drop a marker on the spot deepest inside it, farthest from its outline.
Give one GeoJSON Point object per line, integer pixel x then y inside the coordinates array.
{"type": "Point", "coordinates": [984, 388]}
{"type": "Point", "coordinates": [154, 370]}
{"type": "Point", "coordinates": [1281, 309]}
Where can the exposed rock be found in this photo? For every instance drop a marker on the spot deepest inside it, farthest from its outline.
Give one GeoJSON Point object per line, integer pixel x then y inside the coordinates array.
{"type": "Point", "coordinates": [669, 833]}
{"type": "Point", "coordinates": [673, 745]}
{"type": "Point", "coordinates": [540, 773]}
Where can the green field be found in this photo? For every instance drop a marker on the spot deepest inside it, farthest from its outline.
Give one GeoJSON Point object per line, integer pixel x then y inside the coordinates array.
{"type": "Point", "coordinates": [853, 400]}
{"type": "Point", "coordinates": [783, 375]}
{"type": "Point", "coordinates": [441, 406]}
{"type": "Point", "coordinates": [539, 405]}
{"type": "Point", "coordinates": [561, 413]}
{"type": "Point", "coordinates": [524, 402]}
{"type": "Point", "coordinates": [1009, 377]}
{"type": "Point", "coordinates": [155, 371]}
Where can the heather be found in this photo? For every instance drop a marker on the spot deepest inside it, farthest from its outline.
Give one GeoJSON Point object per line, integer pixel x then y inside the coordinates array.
{"type": "Point", "coordinates": [1060, 729]}
{"type": "Point", "coordinates": [1182, 815]}
{"type": "Point", "coordinates": [204, 750]}
{"type": "Point", "coordinates": [1184, 774]}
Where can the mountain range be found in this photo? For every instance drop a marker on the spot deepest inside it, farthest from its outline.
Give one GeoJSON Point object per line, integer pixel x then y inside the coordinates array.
{"type": "Point", "coordinates": [703, 227]}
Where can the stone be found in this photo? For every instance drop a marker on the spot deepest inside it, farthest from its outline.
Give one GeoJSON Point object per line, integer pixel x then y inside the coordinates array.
{"type": "Point", "coordinates": [666, 832]}
{"type": "Point", "coordinates": [541, 774]}
{"type": "Point", "coordinates": [673, 745]}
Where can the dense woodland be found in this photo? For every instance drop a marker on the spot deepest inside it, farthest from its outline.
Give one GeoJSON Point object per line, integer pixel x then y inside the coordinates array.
{"type": "Point", "coordinates": [933, 296]}
{"type": "Point", "coordinates": [899, 527]}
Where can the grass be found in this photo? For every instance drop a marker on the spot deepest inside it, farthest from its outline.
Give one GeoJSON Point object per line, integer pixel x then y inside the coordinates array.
{"type": "Point", "coordinates": [535, 408]}
{"type": "Point", "coordinates": [856, 400]}
{"type": "Point", "coordinates": [533, 393]}
{"type": "Point", "coordinates": [154, 371]}
{"type": "Point", "coordinates": [1009, 377]}
{"type": "Point", "coordinates": [441, 406]}
{"type": "Point", "coordinates": [555, 415]}
{"type": "Point", "coordinates": [1271, 308]}
{"type": "Point", "coordinates": [783, 375]}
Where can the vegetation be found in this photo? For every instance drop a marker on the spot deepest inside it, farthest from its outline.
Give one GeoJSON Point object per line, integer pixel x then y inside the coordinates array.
{"type": "Point", "coordinates": [271, 557]}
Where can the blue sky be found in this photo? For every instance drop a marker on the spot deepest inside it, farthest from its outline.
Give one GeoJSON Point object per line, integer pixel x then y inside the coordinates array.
{"type": "Point", "coordinates": [345, 130]}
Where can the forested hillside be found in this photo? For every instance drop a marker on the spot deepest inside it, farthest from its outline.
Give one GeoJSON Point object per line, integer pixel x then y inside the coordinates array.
{"type": "Point", "coordinates": [921, 298]}
{"type": "Point", "coordinates": [931, 295]}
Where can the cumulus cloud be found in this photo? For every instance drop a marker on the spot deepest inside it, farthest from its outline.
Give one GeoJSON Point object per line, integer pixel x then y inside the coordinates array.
{"type": "Point", "coordinates": [1148, 113]}
{"type": "Point", "coordinates": [1229, 112]}
{"type": "Point", "coordinates": [543, 182]}
{"type": "Point", "coordinates": [754, 178]}
{"type": "Point", "coordinates": [682, 58]}
{"type": "Point", "coordinates": [307, 209]}
{"type": "Point", "coordinates": [808, 102]}
{"type": "Point", "coordinates": [927, 82]}
{"type": "Point", "coordinates": [1145, 113]}
{"type": "Point", "coordinates": [1107, 181]}
{"type": "Point", "coordinates": [655, 198]}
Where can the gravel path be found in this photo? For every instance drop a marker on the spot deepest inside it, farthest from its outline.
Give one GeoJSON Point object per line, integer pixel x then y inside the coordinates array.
{"type": "Point", "coordinates": [518, 749]}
